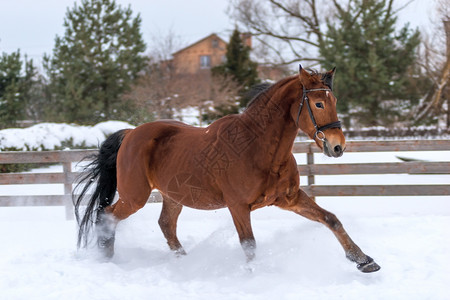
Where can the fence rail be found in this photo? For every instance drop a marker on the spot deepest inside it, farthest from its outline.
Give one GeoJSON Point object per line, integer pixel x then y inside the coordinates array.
{"type": "Point", "coordinates": [408, 167]}
{"type": "Point", "coordinates": [68, 176]}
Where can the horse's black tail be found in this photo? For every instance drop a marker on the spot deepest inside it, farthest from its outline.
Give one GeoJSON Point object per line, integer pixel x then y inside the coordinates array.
{"type": "Point", "coordinates": [102, 171]}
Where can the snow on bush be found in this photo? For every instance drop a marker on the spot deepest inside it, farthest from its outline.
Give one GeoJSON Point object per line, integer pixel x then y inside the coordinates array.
{"type": "Point", "coordinates": [54, 136]}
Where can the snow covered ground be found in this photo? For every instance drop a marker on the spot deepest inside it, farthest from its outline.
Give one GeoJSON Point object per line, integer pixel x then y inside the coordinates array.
{"type": "Point", "coordinates": [296, 258]}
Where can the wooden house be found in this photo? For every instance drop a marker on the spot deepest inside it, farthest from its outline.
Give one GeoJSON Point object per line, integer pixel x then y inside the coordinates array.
{"type": "Point", "coordinates": [200, 56]}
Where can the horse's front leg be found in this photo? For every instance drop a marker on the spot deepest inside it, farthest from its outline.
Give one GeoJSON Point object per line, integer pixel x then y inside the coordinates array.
{"type": "Point", "coordinates": [241, 219]}
{"type": "Point", "coordinates": [304, 206]}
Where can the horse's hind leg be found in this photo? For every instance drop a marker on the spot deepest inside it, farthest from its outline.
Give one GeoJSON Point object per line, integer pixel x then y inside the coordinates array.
{"type": "Point", "coordinates": [304, 206]}
{"type": "Point", "coordinates": [106, 230]}
{"type": "Point", "coordinates": [108, 219]}
{"type": "Point", "coordinates": [168, 223]}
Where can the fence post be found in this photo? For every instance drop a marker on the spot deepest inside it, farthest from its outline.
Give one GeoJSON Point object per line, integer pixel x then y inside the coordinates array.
{"type": "Point", "coordinates": [67, 169]}
{"type": "Point", "coordinates": [310, 162]}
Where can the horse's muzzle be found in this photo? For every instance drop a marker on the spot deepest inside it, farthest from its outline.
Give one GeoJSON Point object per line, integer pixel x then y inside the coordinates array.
{"type": "Point", "coordinates": [332, 150]}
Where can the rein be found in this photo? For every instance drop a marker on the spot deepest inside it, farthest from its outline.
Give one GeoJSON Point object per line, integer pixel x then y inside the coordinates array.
{"type": "Point", "coordinates": [319, 130]}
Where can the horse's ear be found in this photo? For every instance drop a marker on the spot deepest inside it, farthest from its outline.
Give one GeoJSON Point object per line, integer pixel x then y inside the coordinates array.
{"type": "Point", "coordinates": [303, 75]}
{"type": "Point", "coordinates": [328, 78]}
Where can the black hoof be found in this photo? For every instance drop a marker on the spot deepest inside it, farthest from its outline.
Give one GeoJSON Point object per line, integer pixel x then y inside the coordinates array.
{"type": "Point", "coordinates": [369, 266]}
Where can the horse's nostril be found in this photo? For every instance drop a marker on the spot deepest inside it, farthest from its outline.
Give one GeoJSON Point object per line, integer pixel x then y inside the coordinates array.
{"type": "Point", "coordinates": [338, 149]}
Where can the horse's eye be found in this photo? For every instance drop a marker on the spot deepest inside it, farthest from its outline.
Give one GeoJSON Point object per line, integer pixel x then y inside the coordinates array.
{"type": "Point", "coordinates": [319, 105]}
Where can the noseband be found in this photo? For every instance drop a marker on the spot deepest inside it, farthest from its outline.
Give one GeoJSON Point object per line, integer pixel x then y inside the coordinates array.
{"type": "Point", "coordinates": [319, 130]}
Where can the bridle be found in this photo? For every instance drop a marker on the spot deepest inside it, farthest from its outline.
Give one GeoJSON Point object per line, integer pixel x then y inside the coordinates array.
{"type": "Point", "coordinates": [319, 130]}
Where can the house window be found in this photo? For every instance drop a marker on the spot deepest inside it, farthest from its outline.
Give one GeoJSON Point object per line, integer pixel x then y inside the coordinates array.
{"type": "Point", "coordinates": [215, 43]}
{"type": "Point", "coordinates": [205, 61]}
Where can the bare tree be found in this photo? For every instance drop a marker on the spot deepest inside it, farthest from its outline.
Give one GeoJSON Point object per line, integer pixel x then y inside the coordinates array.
{"type": "Point", "coordinates": [290, 31]}
{"type": "Point", "coordinates": [162, 91]}
{"type": "Point", "coordinates": [436, 63]}
{"type": "Point", "coordinates": [164, 43]}
{"type": "Point", "coordinates": [154, 94]}
{"type": "Point", "coordinates": [159, 95]}
{"type": "Point", "coordinates": [287, 31]}
{"type": "Point", "coordinates": [206, 92]}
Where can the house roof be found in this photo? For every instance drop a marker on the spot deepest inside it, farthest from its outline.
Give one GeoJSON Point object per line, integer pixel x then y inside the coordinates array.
{"type": "Point", "coordinates": [198, 42]}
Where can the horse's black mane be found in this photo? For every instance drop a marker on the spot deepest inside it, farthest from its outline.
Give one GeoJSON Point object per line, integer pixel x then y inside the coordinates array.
{"type": "Point", "coordinates": [260, 89]}
{"type": "Point", "coordinates": [256, 91]}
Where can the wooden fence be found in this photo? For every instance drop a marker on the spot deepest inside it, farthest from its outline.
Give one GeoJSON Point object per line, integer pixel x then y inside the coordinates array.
{"type": "Point", "coordinates": [67, 177]}
{"type": "Point", "coordinates": [410, 167]}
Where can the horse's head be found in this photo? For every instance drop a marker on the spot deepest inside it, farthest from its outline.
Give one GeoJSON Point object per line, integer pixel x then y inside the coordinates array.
{"type": "Point", "coordinates": [315, 112]}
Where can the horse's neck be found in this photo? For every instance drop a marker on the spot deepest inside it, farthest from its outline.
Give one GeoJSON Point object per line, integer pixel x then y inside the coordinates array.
{"type": "Point", "coordinates": [271, 126]}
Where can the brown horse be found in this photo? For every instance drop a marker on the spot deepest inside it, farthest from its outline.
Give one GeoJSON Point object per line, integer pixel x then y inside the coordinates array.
{"type": "Point", "coordinates": [243, 162]}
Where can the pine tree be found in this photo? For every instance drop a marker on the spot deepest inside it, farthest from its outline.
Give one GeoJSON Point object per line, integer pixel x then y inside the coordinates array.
{"type": "Point", "coordinates": [95, 62]}
{"type": "Point", "coordinates": [374, 62]}
{"type": "Point", "coordinates": [238, 65]}
{"type": "Point", "coordinates": [15, 88]}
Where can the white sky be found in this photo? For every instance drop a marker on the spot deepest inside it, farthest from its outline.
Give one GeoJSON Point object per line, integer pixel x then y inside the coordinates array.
{"type": "Point", "coordinates": [31, 25]}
